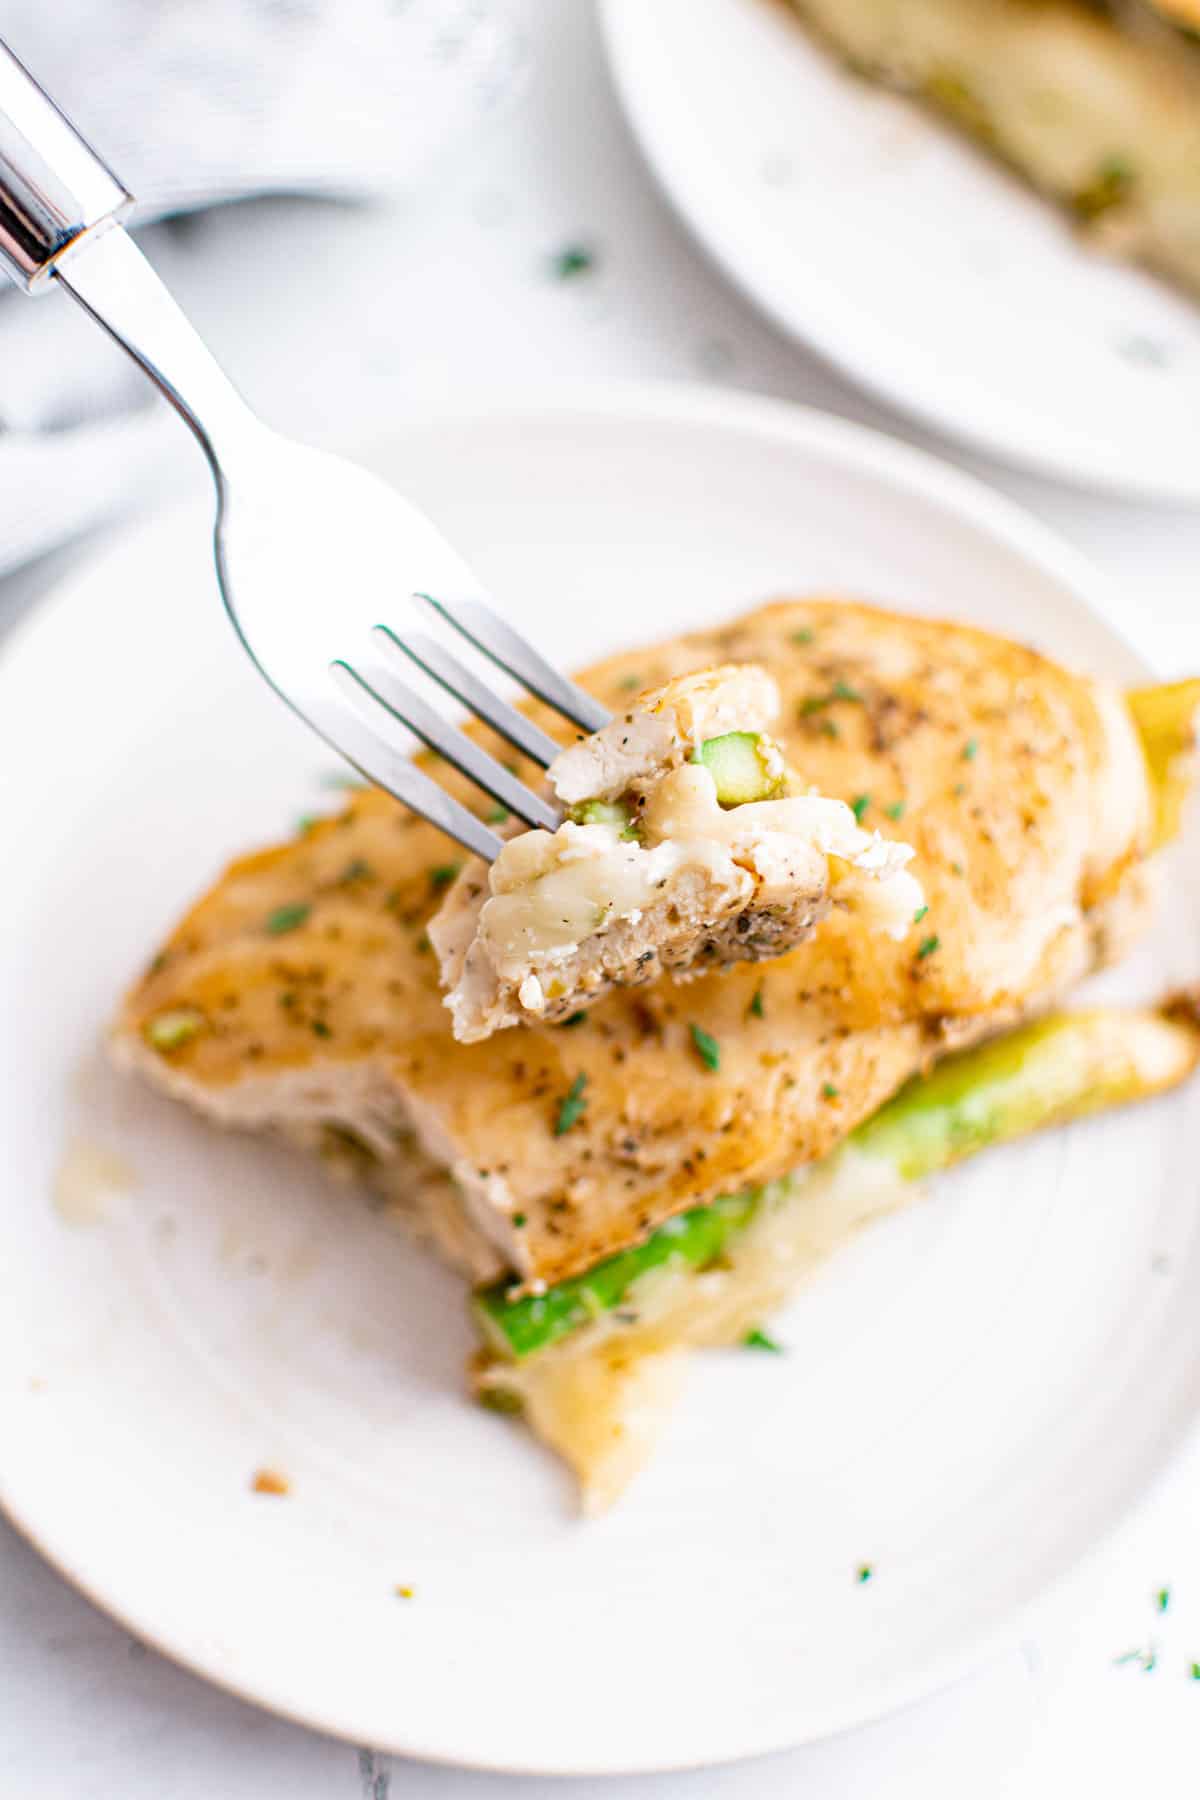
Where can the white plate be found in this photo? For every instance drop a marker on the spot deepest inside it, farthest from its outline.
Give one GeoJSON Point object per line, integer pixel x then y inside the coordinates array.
{"type": "Point", "coordinates": [972, 1395]}
{"type": "Point", "coordinates": [908, 259]}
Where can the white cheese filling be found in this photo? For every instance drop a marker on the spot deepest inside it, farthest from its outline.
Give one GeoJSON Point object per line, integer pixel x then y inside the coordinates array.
{"type": "Point", "coordinates": [552, 890]}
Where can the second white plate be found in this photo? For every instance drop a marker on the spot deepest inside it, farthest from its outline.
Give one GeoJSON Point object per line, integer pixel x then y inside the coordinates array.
{"type": "Point", "coordinates": [908, 259]}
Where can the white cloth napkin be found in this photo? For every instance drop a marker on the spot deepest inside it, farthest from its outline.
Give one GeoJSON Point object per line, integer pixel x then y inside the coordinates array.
{"type": "Point", "coordinates": [197, 102]}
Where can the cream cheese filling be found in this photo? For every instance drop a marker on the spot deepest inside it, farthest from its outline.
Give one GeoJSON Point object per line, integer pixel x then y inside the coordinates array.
{"type": "Point", "coordinates": [549, 891]}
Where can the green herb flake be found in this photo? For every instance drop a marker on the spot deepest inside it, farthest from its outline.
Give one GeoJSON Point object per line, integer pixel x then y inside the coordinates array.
{"type": "Point", "coordinates": [970, 750]}
{"type": "Point", "coordinates": [863, 1573]}
{"type": "Point", "coordinates": [1108, 188]}
{"type": "Point", "coordinates": [1195, 1671]}
{"type": "Point", "coordinates": [758, 1340]}
{"type": "Point", "coordinates": [575, 1018]}
{"type": "Point", "coordinates": [896, 810]}
{"type": "Point", "coordinates": [815, 703]}
{"type": "Point", "coordinates": [956, 868]}
{"type": "Point", "coordinates": [168, 1030]}
{"type": "Point", "coordinates": [706, 1047]}
{"type": "Point", "coordinates": [919, 914]}
{"type": "Point", "coordinates": [1147, 1660]}
{"type": "Point", "coordinates": [497, 815]}
{"type": "Point", "coordinates": [518, 1220]}
{"type": "Point", "coordinates": [306, 822]}
{"type": "Point", "coordinates": [828, 1091]}
{"type": "Point", "coordinates": [629, 684]}
{"type": "Point", "coordinates": [805, 635]}
{"type": "Point", "coordinates": [571, 1107]}
{"type": "Point", "coordinates": [572, 260]}
{"type": "Point", "coordinates": [355, 870]}
{"type": "Point", "coordinates": [859, 805]}
{"type": "Point", "coordinates": [928, 946]}
{"type": "Point", "coordinates": [755, 1008]}
{"type": "Point", "coordinates": [501, 1400]}
{"type": "Point", "coordinates": [286, 918]}
{"type": "Point", "coordinates": [337, 778]}
{"type": "Point", "coordinates": [443, 875]}
{"type": "Point", "coordinates": [321, 1029]}
{"type": "Point", "coordinates": [1162, 1599]}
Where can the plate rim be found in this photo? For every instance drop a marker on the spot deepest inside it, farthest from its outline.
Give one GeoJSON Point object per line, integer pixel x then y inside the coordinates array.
{"type": "Point", "coordinates": [887, 385]}
{"type": "Point", "coordinates": [919, 473]}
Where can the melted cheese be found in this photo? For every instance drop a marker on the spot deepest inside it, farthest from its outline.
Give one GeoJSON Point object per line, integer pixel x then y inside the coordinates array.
{"type": "Point", "coordinates": [551, 890]}
{"type": "Point", "coordinates": [602, 1396]}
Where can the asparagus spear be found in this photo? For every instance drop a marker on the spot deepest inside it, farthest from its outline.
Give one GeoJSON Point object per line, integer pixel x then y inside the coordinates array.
{"type": "Point", "coordinates": [1166, 721]}
{"type": "Point", "coordinates": [1054, 1070]}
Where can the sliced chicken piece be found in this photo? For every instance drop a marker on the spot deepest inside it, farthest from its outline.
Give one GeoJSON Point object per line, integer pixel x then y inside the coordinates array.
{"type": "Point", "coordinates": [300, 994]}
{"type": "Point", "coordinates": [688, 846]}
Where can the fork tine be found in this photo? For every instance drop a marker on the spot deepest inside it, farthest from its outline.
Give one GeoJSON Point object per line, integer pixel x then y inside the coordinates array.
{"type": "Point", "coordinates": [497, 639]}
{"type": "Point", "coordinates": [395, 772]}
{"type": "Point", "coordinates": [428, 654]}
{"type": "Point", "coordinates": [397, 698]}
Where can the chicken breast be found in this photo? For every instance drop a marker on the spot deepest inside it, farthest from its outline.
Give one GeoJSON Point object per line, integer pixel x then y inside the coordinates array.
{"type": "Point", "coordinates": [688, 845]}
{"type": "Point", "coordinates": [301, 994]}
{"type": "Point", "coordinates": [1095, 102]}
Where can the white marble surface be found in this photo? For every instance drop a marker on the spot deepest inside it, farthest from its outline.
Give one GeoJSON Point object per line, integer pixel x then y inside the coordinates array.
{"type": "Point", "coordinates": [334, 322]}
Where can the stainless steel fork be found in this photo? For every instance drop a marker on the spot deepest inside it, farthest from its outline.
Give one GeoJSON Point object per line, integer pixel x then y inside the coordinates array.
{"type": "Point", "coordinates": [314, 555]}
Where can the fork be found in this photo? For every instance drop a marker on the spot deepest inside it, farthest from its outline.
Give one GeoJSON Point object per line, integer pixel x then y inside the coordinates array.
{"type": "Point", "coordinates": [310, 549]}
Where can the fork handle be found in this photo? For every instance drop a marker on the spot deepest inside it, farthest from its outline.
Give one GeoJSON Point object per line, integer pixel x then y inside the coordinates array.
{"type": "Point", "coordinates": [54, 189]}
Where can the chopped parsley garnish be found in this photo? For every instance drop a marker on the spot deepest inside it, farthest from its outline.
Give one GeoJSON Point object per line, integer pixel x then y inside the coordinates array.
{"type": "Point", "coordinates": [970, 750]}
{"type": "Point", "coordinates": [576, 1018]}
{"type": "Point", "coordinates": [168, 1030]}
{"type": "Point", "coordinates": [571, 1107]}
{"type": "Point", "coordinates": [355, 870]}
{"type": "Point", "coordinates": [1108, 187]}
{"type": "Point", "coordinates": [287, 918]}
{"type": "Point", "coordinates": [864, 1572]}
{"type": "Point", "coordinates": [805, 635]}
{"type": "Point", "coordinates": [756, 1005]}
{"type": "Point", "coordinates": [859, 805]}
{"type": "Point", "coordinates": [1195, 1671]}
{"type": "Point", "coordinates": [1147, 1660]}
{"type": "Point", "coordinates": [1162, 1599]}
{"type": "Point", "coordinates": [501, 1400]}
{"type": "Point", "coordinates": [497, 815]}
{"type": "Point", "coordinates": [629, 683]}
{"type": "Point", "coordinates": [305, 823]}
{"type": "Point", "coordinates": [815, 703]}
{"type": "Point", "coordinates": [828, 1091]}
{"type": "Point", "coordinates": [707, 1047]}
{"type": "Point", "coordinates": [518, 1220]}
{"type": "Point", "coordinates": [896, 810]}
{"type": "Point", "coordinates": [572, 260]}
{"type": "Point", "coordinates": [928, 946]}
{"type": "Point", "coordinates": [758, 1340]}
{"type": "Point", "coordinates": [321, 1029]}
{"type": "Point", "coordinates": [919, 914]}
{"type": "Point", "coordinates": [443, 875]}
